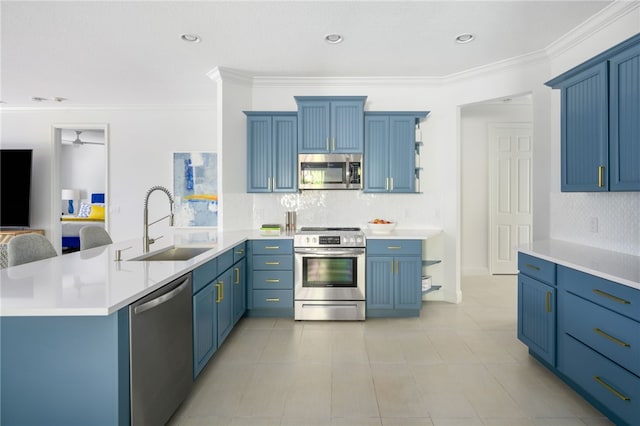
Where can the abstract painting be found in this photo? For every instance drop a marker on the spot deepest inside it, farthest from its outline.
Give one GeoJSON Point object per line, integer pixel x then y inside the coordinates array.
{"type": "Point", "coordinates": [195, 188]}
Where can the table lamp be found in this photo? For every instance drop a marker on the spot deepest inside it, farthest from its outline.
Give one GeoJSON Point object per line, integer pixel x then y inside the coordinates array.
{"type": "Point", "coordinates": [71, 195]}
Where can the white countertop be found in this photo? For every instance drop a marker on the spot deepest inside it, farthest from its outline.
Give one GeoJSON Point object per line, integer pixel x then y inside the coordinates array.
{"type": "Point", "coordinates": [91, 282]}
{"type": "Point", "coordinates": [404, 234]}
{"type": "Point", "coordinates": [610, 265]}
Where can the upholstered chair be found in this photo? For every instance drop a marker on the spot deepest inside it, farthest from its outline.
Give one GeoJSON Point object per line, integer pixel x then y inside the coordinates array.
{"type": "Point", "coordinates": [25, 248]}
{"type": "Point", "coordinates": [93, 236]}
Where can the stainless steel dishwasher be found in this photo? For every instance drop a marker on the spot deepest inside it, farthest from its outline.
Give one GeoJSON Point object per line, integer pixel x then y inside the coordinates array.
{"type": "Point", "coordinates": [161, 352]}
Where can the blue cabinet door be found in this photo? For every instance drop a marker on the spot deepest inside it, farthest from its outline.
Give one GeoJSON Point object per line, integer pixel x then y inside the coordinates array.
{"type": "Point", "coordinates": [376, 170]}
{"type": "Point", "coordinates": [259, 153]}
{"type": "Point", "coordinates": [402, 130]}
{"type": "Point", "coordinates": [314, 118]}
{"type": "Point", "coordinates": [204, 327]}
{"type": "Point", "coordinates": [347, 126]}
{"type": "Point", "coordinates": [239, 289]}
{"type": "Point", "coordinates": [408, 283]}
{"type": "Point", "coordinates": [624, 120]}
{"type": "Point", "coordinates": [272, 158]}
{"type": "Point", "coordinates": [585, 131]}
{"type": "Point", "coordinates": [537, 317]}
{"type": "Point", "coordinates": [380, 282]}
{"type": "Point", "coordinates": [328, 124]}
{"type": "Point", "coordinates": [285, 154]}
{"type": "Point", "coordinates": [224, 304]}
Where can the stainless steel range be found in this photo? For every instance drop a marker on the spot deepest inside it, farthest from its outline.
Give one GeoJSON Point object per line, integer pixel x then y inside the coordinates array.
{"type": "Point", "coordinates": [329, 274]}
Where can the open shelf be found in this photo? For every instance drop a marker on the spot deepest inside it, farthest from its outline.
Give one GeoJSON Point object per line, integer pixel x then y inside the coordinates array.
{"type": "Point", "coordinates": [431, 289]}
{"type": "Point", "coordinates": [430, 262]}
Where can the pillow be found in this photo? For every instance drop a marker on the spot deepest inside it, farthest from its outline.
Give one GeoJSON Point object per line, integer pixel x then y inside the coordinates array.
{"type": "Point", "coordinates": [85, 209]}
{"type": "Point", "coordinates": [97, 212]}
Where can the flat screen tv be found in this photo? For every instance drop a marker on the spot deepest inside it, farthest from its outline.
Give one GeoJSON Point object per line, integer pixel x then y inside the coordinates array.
{"type": "Point", "coordinates": [15, 187]}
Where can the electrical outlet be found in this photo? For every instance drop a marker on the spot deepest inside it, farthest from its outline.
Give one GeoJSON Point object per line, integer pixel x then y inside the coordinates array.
{"type": "Point", "coordinates": [593, 224]}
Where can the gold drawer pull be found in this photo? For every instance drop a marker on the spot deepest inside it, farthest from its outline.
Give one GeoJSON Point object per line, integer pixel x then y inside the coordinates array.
{"type": "Point", "coordinates": [271, 247]}
{"type": "Point", "coordinates": [611, 389]}
{"type": "Point", "coordinates": [219, 292]}
{"type": "Point", "coordinates": [271, 263]}
{"type": "Point", "coordinates": [237, 271]}
{"type": "Point", "coordinates": [272, 299]}
{"type": "Point", "coordinates": [613, 339]}
{"type": "Point", "coordinates": [394, 247]}
{"type": "Point", "coordinates": [241, 251]}
{"type": "Point", "coordinates": [530, 266]}
{"type": "Point", "coordinates": [548, 301]}
{"type": "Point", "coordinates": [601, 176]}
{"type": "Point", "coordinates": [611, 296]}
{"type": "Point", "coordinates": [271, 281]}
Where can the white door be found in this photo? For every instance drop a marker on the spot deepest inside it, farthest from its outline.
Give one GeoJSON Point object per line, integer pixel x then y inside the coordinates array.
{"type": "Point", "coordinates": [510, 194]}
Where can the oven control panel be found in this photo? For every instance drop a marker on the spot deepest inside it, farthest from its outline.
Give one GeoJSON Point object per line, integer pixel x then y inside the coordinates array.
{"type": "Point", "coordinates": [320, 240]}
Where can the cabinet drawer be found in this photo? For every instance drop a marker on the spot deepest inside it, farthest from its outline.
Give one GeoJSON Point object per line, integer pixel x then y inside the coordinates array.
{"type": "Point", "coordinates": [270, 262]}
{"type": "Point", "coordinates": [394, 247]}
{"type": "Point", "coordinates": [204, 274]}
{"type": "Point", "coordinates": [239, 252]}
{"type": "Point", "coordinates": [225, 260]}
{"type": "Point", "coordinates": [614, 387]}
{"type": "Point", "coordinates": [613, 335]}
{"type": "Point", "coordinates": [617, 297]}
{"type": "Point", "coordinates": [539, 269]}
{"type": "Point", "coordinates": [272, 246]}
{"type": "Point", "coordinates": [273, 279]}
{"type": "Point", "coordinates": [272, 299]}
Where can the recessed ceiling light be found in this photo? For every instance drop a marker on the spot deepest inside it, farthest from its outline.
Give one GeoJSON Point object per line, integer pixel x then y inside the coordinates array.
{"type": "Point", "coordinates": [59, 99]}
{"type": "Point", "coordinates": [39, 99]}
{"type": "Point", "coordinates": [465, 38]}
{"type": "Point", "coordinates": [333, 38]}
{"type": "Point", "coordinates": [191, 38]}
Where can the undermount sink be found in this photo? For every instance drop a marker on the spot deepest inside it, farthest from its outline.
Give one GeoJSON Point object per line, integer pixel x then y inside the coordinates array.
{"type": "Point", "coordinates": [173, 253]}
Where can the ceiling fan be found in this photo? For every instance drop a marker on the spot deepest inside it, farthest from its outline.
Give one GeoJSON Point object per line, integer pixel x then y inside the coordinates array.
{"type": "Point", "coordinates": [78, 142]}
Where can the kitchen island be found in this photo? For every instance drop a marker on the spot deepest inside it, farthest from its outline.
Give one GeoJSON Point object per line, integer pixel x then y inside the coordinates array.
{"type": "Point", "coordinates": [64, 325]}
{"type": "Point", "coordinates": [578, 314]}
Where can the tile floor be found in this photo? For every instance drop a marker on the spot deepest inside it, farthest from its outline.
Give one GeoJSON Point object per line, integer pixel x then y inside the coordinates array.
{"type": "Point", "coordinates": [455, 365]}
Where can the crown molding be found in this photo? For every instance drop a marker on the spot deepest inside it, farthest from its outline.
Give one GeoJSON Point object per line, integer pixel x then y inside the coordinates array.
{"type": "Point", "coordinates": [607, 16]}
{"type": "Point", "coordinates": [228, 74]}
{"type": "Point", "coordinates": [532, 58]}
{"type": "Point", "coordinates": [275, 81]}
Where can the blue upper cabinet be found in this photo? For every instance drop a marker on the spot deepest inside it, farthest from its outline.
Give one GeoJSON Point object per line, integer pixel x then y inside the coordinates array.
{"type": "Point", "coordinates": [600, 112]}
{"type": "Point", "coordinates": [390, 151]}
{"type": "Point", "coordinates": [624, 122]}
{"type": "Point", "coordinates": [272, 152]}
{"type": "Point", "coordinates": [330, 124]}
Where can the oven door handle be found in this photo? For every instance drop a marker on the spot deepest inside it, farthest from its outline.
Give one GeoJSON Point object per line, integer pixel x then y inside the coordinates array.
{"type": "Point", "coordinates": [325, 252]}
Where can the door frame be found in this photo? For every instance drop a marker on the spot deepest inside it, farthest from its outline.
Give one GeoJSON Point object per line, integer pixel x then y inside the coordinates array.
{"type": "Point", "coordinates": [56, 148]}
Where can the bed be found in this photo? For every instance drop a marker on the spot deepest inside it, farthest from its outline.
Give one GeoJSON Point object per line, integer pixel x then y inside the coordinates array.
{"type": "Point", "coordinates": [88, 214]}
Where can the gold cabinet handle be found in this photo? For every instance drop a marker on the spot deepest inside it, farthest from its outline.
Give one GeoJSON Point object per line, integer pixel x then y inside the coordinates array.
{"type": "Point", "coordinates": [391, 265]}
{"type": "Point", "coordinates": [611, 296]}
{"type": "Point", "coordinates": [611, 389]}
{"type": "Point", "coordinates": [240, 251]}
{"type": "Point", "coordinates": [601, 176]}
{"type": "Point", "coordinates": [548, 301]}
{"type": "Point", "coordinates": [391, 184]}
{"type": "Point", "coordinates": [271, 263]}
{"type": "Point", "coordinates": [271, 247]}
{"type": "Point", "coordinates": [610, 337]}
{"type": "Point", "coordinates": [334, 144]}
{"type": "Point", "coordinates": [386, 185]}
{"type": "Point", "coordinates": [530, 266]}
{"type": "Point", "coordinates": [237, 271]}
{"type": "Point", "coordinates": [218, 292]}
{"type": "Point", "coordinates": [394, 247]}
{"type": "Point", "coordinates": [272, 299]}
{"type": "Point", "coordinates": [327, 143]}
{"type": "Point", "coordinates": [272, 281]}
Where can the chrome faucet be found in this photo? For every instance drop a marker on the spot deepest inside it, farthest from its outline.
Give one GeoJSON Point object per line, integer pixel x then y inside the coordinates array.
{"type": "Point", "coordinates": [145, 236]}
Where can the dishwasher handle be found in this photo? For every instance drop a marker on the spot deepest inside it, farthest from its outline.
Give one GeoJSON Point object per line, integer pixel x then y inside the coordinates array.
{"type": "Point", "coordinates": [163, 298]}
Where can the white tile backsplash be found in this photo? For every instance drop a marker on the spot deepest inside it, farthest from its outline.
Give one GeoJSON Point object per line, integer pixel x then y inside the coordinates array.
{"type": "Point", "coordinates": [617, 215]}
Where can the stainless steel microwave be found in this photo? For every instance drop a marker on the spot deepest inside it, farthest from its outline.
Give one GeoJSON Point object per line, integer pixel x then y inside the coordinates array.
{"type": "Point", "coordinates": [330, 171]}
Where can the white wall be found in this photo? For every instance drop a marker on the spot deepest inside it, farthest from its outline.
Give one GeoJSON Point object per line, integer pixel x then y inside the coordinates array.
{"type": "Point", "coordinates": [475, 120]}
{"type": "Point", "coordinates": [571, 214]}
{"type": "Point", "coordinates": [83, 168]}
{"type": "Point", "coordinates": [141, 145]}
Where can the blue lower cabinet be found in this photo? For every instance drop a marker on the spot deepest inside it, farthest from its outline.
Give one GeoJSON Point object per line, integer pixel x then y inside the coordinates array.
{"type": "Point", "coordinates": [65, 370]}
{"type": "Point", "coordinates": [205, 336]}
{"type": "Point", "coordinates": [393, 278]}
{"type": "Point", "coordinates": [270, 278]}
{"type": "Point", "coordinates": [537, 317]}
{"type": "Point", "coordinates": [224, 301]}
